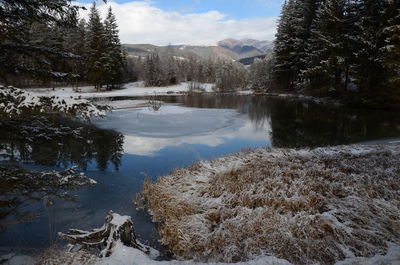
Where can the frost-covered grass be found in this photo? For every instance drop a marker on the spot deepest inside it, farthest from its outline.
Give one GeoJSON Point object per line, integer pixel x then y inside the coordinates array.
{"type": "Point", "coordinates": [306, 206]}
{"type": "Point", "coordinates": [123, 255]}
{"type": "Point", "coordinates": [16, 102]}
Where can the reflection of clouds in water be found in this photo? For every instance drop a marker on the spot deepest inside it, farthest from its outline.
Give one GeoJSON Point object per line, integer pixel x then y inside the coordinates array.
{"type": "Point", "coordinates": [147, 132]}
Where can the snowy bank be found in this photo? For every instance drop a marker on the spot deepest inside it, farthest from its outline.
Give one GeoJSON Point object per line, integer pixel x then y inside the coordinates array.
{"type": "Point", "coordinates": [306, 206]}
{"type": "Point", "coordinates": [123, 255]}
{"type": "Point", "coordinates": [136, 89]}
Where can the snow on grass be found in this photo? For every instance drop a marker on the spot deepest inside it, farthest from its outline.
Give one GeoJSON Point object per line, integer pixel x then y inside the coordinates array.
{"type": "Point", "coordinates": [306, 206]}
{"type": "Point", "coordinates": [123, 255]}
{"type": "Point", "coordinates": [15, 102]}
{"type": "Point", "coordinates": [128, 90]}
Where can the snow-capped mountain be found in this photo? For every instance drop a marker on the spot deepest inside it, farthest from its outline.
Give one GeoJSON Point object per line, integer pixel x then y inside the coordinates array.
{"type": "Point", "coordinates": [246, 45]}
{"type": "Point", "coordinates": [226, 49]}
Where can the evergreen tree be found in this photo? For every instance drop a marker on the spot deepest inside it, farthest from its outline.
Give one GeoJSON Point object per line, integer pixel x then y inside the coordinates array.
{"type": "Point", "coordinates": [340, 48]}
{"type": "Point", "coordinates": [302, 18]}
{"type": "Point", "coordinates": [377, 64]}
{"type": "Point", "coordinates": [97, 61]}
{"type": "Point", "coordinates": [391, 51]}
{"type": "Point", "coordinates": [115, 56]}
{"type": "Point", "coordinates": [260, 74]}
{"type": "Point", "coordinates": [153, 74]}
{"type": "Point", "coordinates": [17, 17]}
{"type": "Point", "coordinates": [283, 70]}
{"type": "Point", "coordinates": [326, 61]}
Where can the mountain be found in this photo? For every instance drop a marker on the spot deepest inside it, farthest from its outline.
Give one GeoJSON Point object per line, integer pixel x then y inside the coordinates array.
{"type": "Point", "coordinates": [226, 49]}
{"type": "Point", "coordinates": [246, 45]}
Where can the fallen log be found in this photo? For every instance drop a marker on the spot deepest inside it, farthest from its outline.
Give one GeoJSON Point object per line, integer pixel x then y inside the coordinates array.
{"type": "Point", "coordinates": [116, 229]}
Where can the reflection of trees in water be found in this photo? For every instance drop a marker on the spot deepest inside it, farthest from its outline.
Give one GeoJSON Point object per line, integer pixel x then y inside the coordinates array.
{"type": "Point", "coordinates": [226, 101]}
{"type": "Point", "coordinates": [305, 124]}
{"type": "Point", "coordinates": [297, 123]}
{"type": "Point", "coordinates": [54, 141]}
{"type": "Point", "coordinates": [20, 188]}
{"type": "Point", "coordinates": [48, 141]}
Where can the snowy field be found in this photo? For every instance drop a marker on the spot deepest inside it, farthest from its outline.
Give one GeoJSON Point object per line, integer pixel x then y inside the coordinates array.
{"type": "Point", "coordinates": [306, 206]}
{"type": "Point", "coordinates": [135, 89]}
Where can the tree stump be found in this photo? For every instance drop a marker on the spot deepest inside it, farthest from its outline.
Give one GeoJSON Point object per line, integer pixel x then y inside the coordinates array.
{"type": "Point", "coordinates": [116, 229]}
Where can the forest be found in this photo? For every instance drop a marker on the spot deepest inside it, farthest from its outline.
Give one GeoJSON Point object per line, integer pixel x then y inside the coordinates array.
{"type": "Point", "coordinates": [340, 48]}
{"type": "Point", "coordinates": [51, 46]}
{"type": "Point", "coordinates": [348, 50]}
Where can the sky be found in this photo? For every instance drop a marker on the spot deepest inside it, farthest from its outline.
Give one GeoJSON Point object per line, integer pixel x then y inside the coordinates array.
{"type": "Point", "coordinates": [191, 22]}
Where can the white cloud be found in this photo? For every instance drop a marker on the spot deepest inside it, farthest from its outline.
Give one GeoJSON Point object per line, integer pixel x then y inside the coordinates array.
{"type": "Point", "coordinates": [140, 22]}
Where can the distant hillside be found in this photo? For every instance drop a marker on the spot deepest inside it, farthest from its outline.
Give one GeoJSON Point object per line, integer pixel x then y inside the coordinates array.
{"type": "Point", "coordinates": [247, 45]}
{"type": "Point", "coordinates": [225, 49]}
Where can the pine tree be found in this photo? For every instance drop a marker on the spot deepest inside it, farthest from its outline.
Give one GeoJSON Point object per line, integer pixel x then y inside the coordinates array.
{"type": "Point", "coordinates": [302, 18]}
{"type": "Point", "coordinates": [153, 73]}
{"type": "Point", "coordinates": [326, 57]}
{"type": "Point", "coordinates": [283, 70]}
{"type": "Point", "coordinates": [391, 51]}
{"type": "Point", "coordinates": [17, 17]}
{"type": "Point", "coordinates": [292, 37]}
{"type": "Point", "coordinates": [115, 55]}
{"type": "Point", "coordinates": [377, 65]}
{"type": "Point", "coordinates": [260, 73]}
{"type": "Point", "coordinates": [97, 61]}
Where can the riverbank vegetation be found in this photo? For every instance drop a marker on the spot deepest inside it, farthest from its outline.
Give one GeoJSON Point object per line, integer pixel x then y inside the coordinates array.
{"type": "Point", "coordinates": [306, 206]}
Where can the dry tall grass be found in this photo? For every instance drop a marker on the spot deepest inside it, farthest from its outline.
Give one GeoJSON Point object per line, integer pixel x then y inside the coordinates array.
{"type": "Point", "coordinates": [55, 256]}
{"type": "Point", "coordinates": [306, 206]}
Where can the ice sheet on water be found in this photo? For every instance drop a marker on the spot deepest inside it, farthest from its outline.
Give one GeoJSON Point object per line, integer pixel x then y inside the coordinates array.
{"type": "Point", "coordinates": [171, 121]}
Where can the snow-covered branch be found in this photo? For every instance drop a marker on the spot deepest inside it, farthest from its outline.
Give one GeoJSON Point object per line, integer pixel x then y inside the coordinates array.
{"type": "Point", "coordinates": [16, 102]}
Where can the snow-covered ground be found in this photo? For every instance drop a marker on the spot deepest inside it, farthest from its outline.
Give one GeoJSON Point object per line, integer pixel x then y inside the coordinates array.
{"type": "Point", "coordinates": [135, 89]}
{"type": "Point", "coordinates": [123, 255]}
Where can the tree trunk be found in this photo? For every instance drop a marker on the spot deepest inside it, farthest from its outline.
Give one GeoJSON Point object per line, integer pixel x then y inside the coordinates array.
{"type": "Point", "coordinates": [117, 228]}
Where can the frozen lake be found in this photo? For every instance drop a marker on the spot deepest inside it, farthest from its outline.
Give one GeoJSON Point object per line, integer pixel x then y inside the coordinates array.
{"type": "Point", "coordinates": [121, 150]}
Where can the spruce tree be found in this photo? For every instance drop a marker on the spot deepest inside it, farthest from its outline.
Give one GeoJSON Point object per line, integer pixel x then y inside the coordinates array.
{"type": "Point", "coordinates": [391, 51]}
{"type": "Point", "coordinates": [17, 17]}
{"type": "Point", "coordinates": [97, 61]}
{"type": "Point", "coordinates": [325, 62]}
{"type": "Point", "coordinates": [376, 69]}
{"type": "Point", "coordinates": [114, 53]}
{"type": "Point", "coordinates": [284, 69]}
{"type": "Point", "coordinates": [304, 12]}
